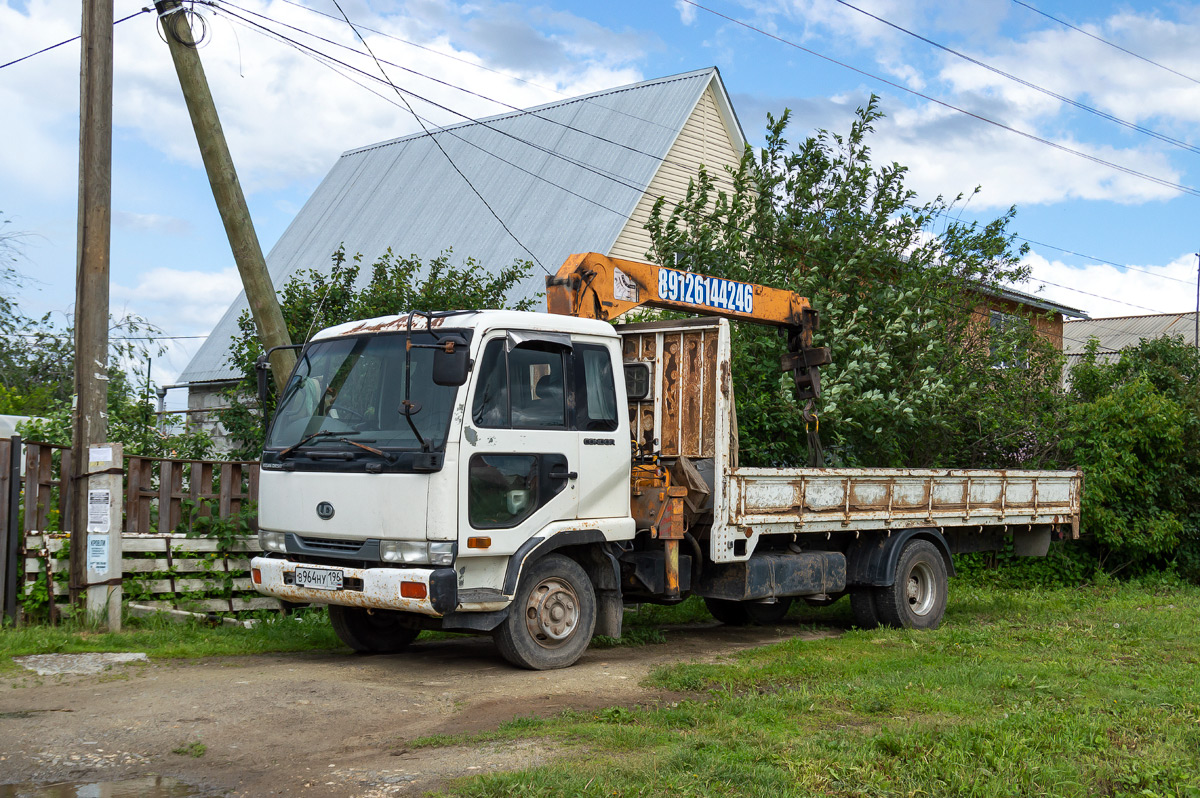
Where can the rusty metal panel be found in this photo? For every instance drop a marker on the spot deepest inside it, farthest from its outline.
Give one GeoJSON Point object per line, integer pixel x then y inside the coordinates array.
{"type": "Point", "coordinates": [691, 422]}
{"type": "Point", "coordinates": [709, 406]}
{"type": "Point", "coordinates": [672, 385]}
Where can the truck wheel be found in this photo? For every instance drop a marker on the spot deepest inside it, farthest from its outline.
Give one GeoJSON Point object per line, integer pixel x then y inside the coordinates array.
{"type": "Point", "coordinates": [768, 614]}
{"type": "Point", "coordinates": [730, 613]}
{"type": "Point", "coordinates": [372, 631]}
{"type": "Point", "coordinates": [862, 604]}
{"type": "Point", "coordinates": [551, 619]}
{"type": "Point", "coordinates": [917, 598]}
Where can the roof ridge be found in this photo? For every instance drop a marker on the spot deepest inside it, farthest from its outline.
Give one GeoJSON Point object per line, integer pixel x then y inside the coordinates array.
{"type": "Point", "coordinates": [535, 109]}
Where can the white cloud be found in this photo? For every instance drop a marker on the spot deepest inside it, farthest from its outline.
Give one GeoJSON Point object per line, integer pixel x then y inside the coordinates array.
{"type": "Point", "coordinates": [151, 223]}
{"type": "Point", "coordinates": [687, 12]}
{"type": "Point", "coordinates": [286, 116]}
{"type": "Point", "coordinates": [181, 302]}
{"type": "Point", "coordinates": [1106, 291]}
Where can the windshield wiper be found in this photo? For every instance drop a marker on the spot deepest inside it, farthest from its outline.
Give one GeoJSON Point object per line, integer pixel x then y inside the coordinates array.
{"type": "Point", "coordinates": [326, 433]}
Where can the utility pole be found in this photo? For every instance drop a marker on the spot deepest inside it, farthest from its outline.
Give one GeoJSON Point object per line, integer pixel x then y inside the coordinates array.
{"type": "Point", "coordinates": [89, 418]}
{"type": "Point", "coordinates": [227, 191]}
{"type": "Point", "coordinates": [1196, 331]}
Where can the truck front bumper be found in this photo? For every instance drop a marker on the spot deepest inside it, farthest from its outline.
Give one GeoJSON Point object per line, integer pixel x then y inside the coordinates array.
{"type": "Point", "coordinates": [373, 588]}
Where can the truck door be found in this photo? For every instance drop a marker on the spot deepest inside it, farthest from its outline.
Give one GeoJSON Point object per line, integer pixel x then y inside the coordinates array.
{"type": "Point", "coordinates": [519, 458]}
{"type": "Point", "coordinates": [602, 428]}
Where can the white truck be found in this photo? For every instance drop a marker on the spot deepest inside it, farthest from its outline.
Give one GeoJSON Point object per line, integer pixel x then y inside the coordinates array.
{"type": "Point", "coordinates": [527, 475]}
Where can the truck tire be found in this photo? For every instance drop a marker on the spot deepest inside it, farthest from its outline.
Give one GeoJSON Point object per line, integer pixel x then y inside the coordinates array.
{"type": "Point", "coordinates": [917, 597]}
{"type": "Point", "coordinates": [726, 611]}
{"type": "Point", "coordinates": [372, 631]}
{"type": "Point", "coordinates": [741, 613]}
{"type": "Point", "coordinates": [768, 614]}
{"type": "Point", "coordinates": [551, 620]}
{"type": "Point", "coordinates": [862, 604]}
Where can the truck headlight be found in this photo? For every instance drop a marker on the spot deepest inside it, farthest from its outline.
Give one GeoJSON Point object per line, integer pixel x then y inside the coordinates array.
{"type": "Point", "coordinates": [417, 552]}
{"type": "Point", "coordinates": [409, 552]}
{"type": "Point", "coordinates": [271, 541]}
{"type": "Point", "coordinates": [441, 553]}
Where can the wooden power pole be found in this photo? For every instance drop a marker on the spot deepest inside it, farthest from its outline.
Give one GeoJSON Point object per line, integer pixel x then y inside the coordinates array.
{"type": "Point", "coordinates": [90, 415]}
{"type": "Point", "coordinates": [227, 191]}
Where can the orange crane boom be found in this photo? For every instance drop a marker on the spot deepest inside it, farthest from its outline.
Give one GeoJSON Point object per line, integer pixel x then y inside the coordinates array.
{"type": "Point", "coordinates": [595, 286]}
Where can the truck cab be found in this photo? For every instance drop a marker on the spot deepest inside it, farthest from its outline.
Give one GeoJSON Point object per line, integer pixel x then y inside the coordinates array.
{"type": "Point", "coordinates": [407, 504]}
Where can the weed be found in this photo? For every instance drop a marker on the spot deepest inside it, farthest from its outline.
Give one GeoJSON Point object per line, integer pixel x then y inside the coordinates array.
{"type": "Point", "coordinates": [195, 749]}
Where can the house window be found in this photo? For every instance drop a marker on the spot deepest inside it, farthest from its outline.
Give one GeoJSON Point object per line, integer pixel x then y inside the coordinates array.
{"type": "Point", "coordinates": [1007, 352]}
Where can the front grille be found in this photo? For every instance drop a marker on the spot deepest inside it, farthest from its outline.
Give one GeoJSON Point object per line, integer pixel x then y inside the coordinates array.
{"type": "Point", "coordinates": [328, 544]}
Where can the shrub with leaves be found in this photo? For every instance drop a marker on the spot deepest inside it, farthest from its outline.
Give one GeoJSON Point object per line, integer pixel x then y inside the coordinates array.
{"type": "Point", "coordinates": [1134, 427]}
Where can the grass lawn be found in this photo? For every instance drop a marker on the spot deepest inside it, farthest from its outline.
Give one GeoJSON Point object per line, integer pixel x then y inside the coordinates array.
{"type": "Point", "coordinates": [1085, 691]}
{"type": "Point", "coordinates": [159, 637]}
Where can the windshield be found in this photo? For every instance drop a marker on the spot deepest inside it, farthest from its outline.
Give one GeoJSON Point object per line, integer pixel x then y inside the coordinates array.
{"type": "Point", "coordinates": [353, 389]}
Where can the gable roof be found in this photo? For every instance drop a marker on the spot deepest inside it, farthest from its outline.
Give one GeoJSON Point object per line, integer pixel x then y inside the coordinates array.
{"type": "Point", "coordinates": [565, 177]}
{"type": "Point", "coordinates": [1039, 302]}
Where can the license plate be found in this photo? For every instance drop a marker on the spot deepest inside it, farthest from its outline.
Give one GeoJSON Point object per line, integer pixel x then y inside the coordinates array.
{"type": "Point", "coordinates": [319, 578]}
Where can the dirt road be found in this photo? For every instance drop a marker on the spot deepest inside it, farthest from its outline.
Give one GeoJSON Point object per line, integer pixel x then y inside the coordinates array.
{"type": "Point", "coordinates": [323, 724]}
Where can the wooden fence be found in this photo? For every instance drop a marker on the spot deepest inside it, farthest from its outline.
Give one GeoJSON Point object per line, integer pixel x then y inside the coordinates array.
{"type": "Point", "coordinates": [164, 499]}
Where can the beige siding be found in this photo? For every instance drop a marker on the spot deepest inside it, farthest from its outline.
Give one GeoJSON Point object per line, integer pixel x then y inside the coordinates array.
{"type": "Point", "coordinates": [703, 140]}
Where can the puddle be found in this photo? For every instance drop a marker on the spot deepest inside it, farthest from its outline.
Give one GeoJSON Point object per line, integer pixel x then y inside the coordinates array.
{"type": "Point", "coordinates": [145, 787]}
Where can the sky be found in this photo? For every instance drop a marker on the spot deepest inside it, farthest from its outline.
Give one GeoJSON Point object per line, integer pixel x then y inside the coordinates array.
{"type": "Point", "coordinates": [1098, 148]}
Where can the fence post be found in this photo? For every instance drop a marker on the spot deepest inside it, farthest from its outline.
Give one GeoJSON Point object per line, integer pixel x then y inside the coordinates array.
{"type": "Point", "coordinates": [12, 563]}
{"type": "Point", "coordinates": [104, 524]}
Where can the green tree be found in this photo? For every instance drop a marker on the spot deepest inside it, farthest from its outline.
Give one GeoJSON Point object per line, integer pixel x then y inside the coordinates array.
{"type": "Point", "coordinates": [915, 378]}
{"type": "Point", "coordinates": [313, 301]}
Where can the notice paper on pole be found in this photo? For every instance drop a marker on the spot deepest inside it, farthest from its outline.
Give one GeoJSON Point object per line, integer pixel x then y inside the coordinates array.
{"type": "Point", "coordinates": [98, 504]}
{"type": "Point", "coordinates": [99, 457]}
{"type": "Point", "coordinates": [97, 553]}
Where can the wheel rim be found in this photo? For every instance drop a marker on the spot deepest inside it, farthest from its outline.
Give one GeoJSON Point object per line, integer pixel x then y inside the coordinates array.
{"type": "Point", "coordinates": [921, 590]}
{"type": "Point", "coordinates": [552, 613]}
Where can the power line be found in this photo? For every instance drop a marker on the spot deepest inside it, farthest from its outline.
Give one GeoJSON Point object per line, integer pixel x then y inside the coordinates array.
{"type": "Point", "coordinates": [522, 111]}
{"type": "Point", "coordinates": [1102, 260]}
{"type": "Point", "coordinates": [466, 179]}
{"type": "Point", "coordinates": [324, 57]}
{"type": "Point", "coordinates": [1106, 41]}
{"type": "Point", "coordinates": [589, 100]}
{"type": "Point", "coordinates": [1061, 98]}
{"type": "Point", "coordinates": [1061, 147]}
{"type": "Point", "coordinates": [68, 41]}
{"type": "Point", "coordinates": [328, 60]}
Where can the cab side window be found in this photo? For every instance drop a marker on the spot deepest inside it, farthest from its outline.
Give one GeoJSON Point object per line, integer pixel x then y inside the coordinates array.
{"type": "Point", "coordinates": [595, 391]}
{"type": "Point", "coordinates": [521, 389]}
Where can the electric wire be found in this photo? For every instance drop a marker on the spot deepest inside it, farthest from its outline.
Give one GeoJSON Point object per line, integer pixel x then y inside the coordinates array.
{"type": "Point", "coordinates": [72, 39]}
{"type": "Point", "coordinates": [1106, 41]}
{"type": "Point", "coordinates": [1106, 262]}
{"type": "Point", "coordinates": [551, 90]}
{"type": "Point", "coordinates": [322, 57]}
{"type": "Point", "coordinates": [466, 179]}
{"type": "Point", "coordinates": [1185, 189]}
{"type": "Point", "coordinates": [468, 120]}
{"type": "Point", "coordinates": [329, 62]}
{"type": "Point", "coordinates": [1061, 98]}
{"type": "Point", "coordinates": [520, 111]}
{"type": "Point", "coordinates": [601, 138]}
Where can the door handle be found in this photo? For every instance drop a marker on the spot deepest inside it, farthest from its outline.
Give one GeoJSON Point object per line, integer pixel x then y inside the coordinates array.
{"type": "Point", "coordinates": [563, 473]}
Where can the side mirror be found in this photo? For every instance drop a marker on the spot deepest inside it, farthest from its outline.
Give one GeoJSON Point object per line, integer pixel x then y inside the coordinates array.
{"type": "Point", "coordinates": [261, 368]}
{"type": "Point", "coordinates": [451, 362]}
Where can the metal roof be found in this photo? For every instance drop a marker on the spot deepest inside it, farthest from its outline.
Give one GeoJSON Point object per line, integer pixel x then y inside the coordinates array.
{"type": "Point", "coordinates": [564, 177]}
{"type": "Point", "coordinates": [1123, 332]}
{"type": "Point", "coordinates": [1039, 302]}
